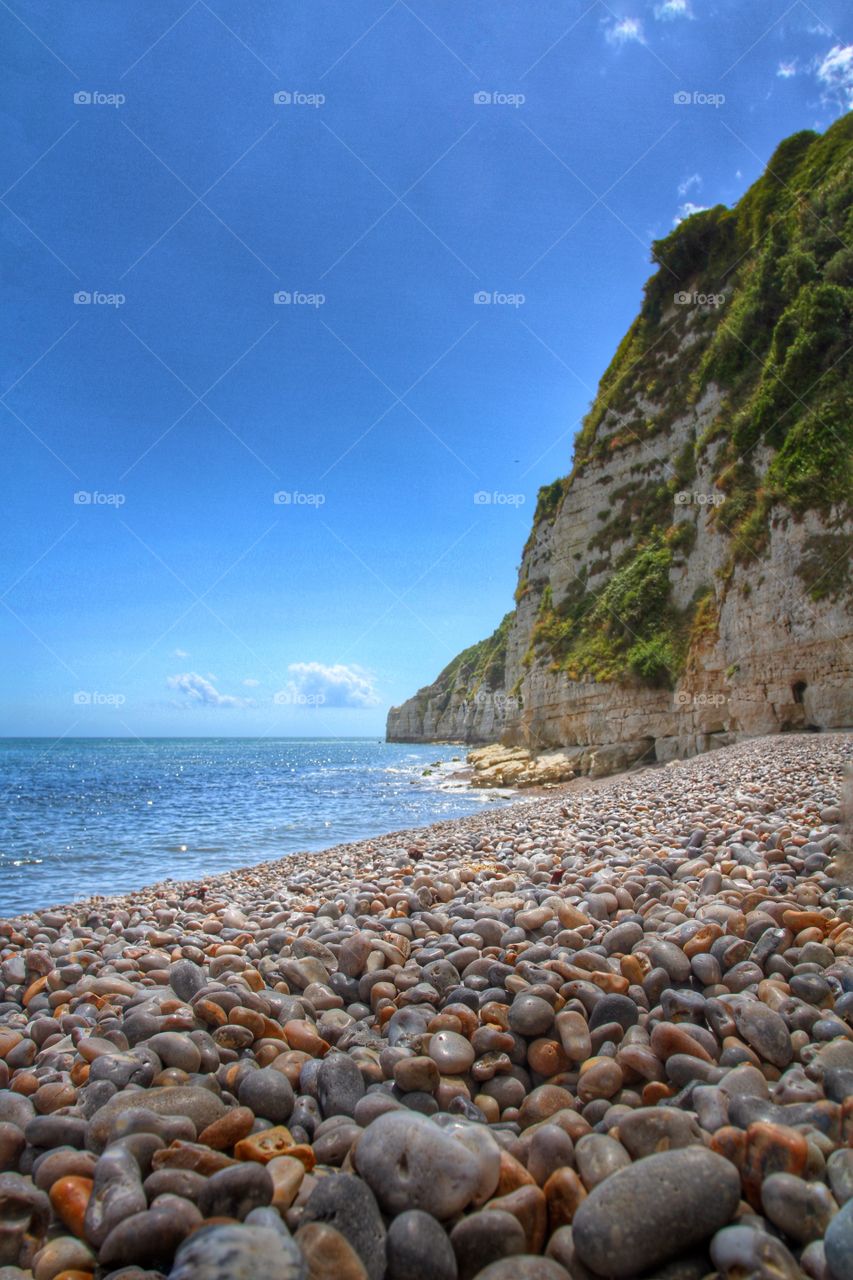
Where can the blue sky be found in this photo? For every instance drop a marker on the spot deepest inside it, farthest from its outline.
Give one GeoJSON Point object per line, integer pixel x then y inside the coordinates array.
{"type": "Point", "coordinates": [240, 480]}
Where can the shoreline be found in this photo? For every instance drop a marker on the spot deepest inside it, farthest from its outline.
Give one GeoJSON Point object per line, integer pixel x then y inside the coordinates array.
{"type": "Point", "coordinates": [408, 835]}
{"type": "Point", "coordinates": [601, 1032]}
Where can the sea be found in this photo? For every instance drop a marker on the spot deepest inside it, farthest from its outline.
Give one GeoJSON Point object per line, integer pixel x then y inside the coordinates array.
{"type": "Point", "coordinates": [84, 816]}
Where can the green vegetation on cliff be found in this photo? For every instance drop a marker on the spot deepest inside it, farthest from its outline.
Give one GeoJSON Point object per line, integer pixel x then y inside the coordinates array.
{"type": "Point", "coordinates": [480, 666]}
{"type": "Point", "coordinates": [775, 344]}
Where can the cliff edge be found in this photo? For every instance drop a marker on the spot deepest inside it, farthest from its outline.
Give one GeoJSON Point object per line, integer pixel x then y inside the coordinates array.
{"type": "Point", "coordinates": [688, 583]}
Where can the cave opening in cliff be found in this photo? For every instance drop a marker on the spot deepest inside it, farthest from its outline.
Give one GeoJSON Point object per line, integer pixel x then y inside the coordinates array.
{"type": "Point", "coordinates": [798, 691]}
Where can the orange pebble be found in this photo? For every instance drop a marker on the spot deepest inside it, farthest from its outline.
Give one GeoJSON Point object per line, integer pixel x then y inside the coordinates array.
{"type": "Point", "coordinates": [266, 1145]}
{"type": "Point", "coordinates": [301, 1034]}
{"type": "Point", "coordinates": [730, 1143]}
{"type": "Point", "coordinates": [612, 983]}
{"type": "Point", "coordinates": [529, 1206]}
{"type": "Point", "coordinates": [79, 1073]}
{"type": "Point", "coordinates": [798, 920]}
{"type": "Point", "coordinates": [25, 1082]}
{"type": "Point", "coordinates": [702, 940]}
{"type": "Point", "coordinates": [8, 1040]}
{"type": "Point", "coordinates": [210, 1012]}
{"type": "Point", "coordinates": [512, 1175]}
{"type": "Point", "coordinates": [771, 1148]}
{"type": "Point", "coordinates": [632, 969]}
{"type": "Point", "coordinates": [564, 1192]}
{"type": "Point", "coordinates": [655, 1091]}
{"type": "Point", "coordinates": [547, 1057]}
{"type": "Point", "coordinates": [229, 1129]}
{"type": "Point", "coordinates": [69, 1197]}
{"type": "Point", "coordinates": [34, 989]}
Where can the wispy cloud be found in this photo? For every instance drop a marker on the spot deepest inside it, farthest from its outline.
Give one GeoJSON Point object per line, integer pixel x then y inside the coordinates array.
{"type": "Point", "coordinates": [835, 74]}
{"type": "Point", "coordinates": [786, 70]}
{"type": "Point", "coordinates": [200, 692]}
{"type": "Point", "coordinates": [671, 9]}
{"type": "Point", "coordinates": [313, 684]}
{"type": "Point", "coordinates": [251, 683]}
{"type": "Point", "coordinates": [625, 31]}
{"type": "Point", "coordinates": [695, 180]}
{"type": "Point", "coordinates": [181, 653]}
{"type": "Point", "coordinates": [686, 210]}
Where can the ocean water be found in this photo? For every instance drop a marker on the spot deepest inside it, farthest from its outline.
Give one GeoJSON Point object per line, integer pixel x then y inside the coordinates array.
{"type": "Point", "coordinates": [106, 815]}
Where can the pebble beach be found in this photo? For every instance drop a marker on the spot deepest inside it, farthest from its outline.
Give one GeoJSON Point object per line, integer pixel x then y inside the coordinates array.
{"type": "Point", "coordinates": [602, 1032]}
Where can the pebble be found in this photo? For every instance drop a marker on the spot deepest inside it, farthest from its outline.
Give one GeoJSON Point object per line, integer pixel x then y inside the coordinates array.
{"type": "Point", "coordinates": [268, 1093]}
{"type": "Point", "coordinates": [235, 1192]}
{"type": "Point", "coordinates": [116, 1193]}
{"type": "Point", "coordinates": [649, 1212]}
{"type": "Point", "coordinates": [410, 1164]}
{"type": "Point", "coordinates": [347, 1204]}
{"type": "Point", "coordinates": [418, 1248]}
{"type": "Point", "coordinates": [328, 1254]}
{"type": "Point", "coordinates": [803, 1210]}
{"type": "Point", "coordinates": [838, 1244]}
{"type": "Point", "coordinates": [525, 1267]}
{"type": "Point", "coordinates": [238, 1253]}
{"type": "Point", "coordinates": [839, 1169]}
{"type": "Point", "coordinates": [484, 1237]}
{"type": "Point", "coordinates": [151, 1237]}
{"type": "Point", "coordinates": [451, 1052]}
{"type": "Point", "coordinates": [340, 1085]}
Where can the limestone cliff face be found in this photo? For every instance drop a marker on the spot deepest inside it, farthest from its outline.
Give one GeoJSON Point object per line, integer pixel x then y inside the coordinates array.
{"type": "Point", "coordinates": [689, 581]}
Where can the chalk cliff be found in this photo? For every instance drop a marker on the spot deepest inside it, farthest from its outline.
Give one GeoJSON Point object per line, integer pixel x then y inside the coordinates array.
{"type": "Point", "coordinates": [689, 581]}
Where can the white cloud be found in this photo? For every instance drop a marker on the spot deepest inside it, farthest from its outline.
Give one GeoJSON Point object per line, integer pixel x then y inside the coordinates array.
{"type": "Point", "coordinates": [695, 180]}
{"type": "Point", "coordinates": [313, 684]}
{"type": "Point", "coordinates": [673, 9]}
{"type": "Point", "coordinates": [251, 683]}
{"type": "Point", "coordinates": [625, 31]}
{"type": "Point", "coordinates": [181, 653]}
{"type": "Point", "coordinates": [686, 210]}
{"type": "Point", "coordinates": [786, 70]}
{"type": "Point", "coordinates": [201, 693]}
{"type": "Point", "coordinates": [835, 73]}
